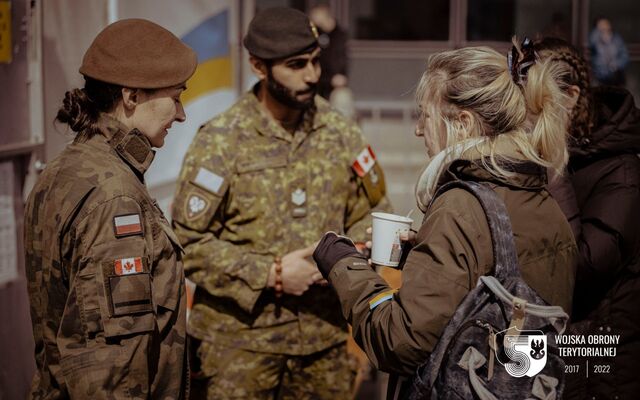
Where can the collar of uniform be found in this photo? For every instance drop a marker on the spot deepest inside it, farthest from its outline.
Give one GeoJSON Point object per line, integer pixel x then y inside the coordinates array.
{"type": "Point", "coordinates": [266, 125]}
{"type": "Point", "coordinates": [131, 145]}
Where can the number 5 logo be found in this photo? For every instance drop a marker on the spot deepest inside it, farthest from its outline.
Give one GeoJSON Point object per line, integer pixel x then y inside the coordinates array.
{"type": "Point", "coordinates": [527, 353]}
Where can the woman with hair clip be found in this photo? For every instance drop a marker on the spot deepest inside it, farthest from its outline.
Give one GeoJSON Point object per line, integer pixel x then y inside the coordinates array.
{"type": "Point", "coordinates": [106, 282]}
{"type": "Point", "coordinates": [486, 119]}
{"type": "Point", "coordinates": [600, 195]}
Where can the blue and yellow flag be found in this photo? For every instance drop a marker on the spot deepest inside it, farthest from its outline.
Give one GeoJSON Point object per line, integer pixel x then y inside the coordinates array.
{"type": "Point", "coordinates": [210, 40]}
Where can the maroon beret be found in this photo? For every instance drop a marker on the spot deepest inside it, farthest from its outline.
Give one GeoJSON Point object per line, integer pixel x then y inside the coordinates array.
{"type": "Point", "coordinates": [138, 54]}
{"type": "Point", "coordinates": [280, 32]}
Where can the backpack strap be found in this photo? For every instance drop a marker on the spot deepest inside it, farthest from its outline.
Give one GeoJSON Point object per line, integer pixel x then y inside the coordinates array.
{"type": "Point", "coordinates": [504, 247]}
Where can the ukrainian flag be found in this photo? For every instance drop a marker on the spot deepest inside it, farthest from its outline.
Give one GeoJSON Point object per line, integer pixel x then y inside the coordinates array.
{"type": "Point", "coordinates": [210, 41]}
{"type": "Point", "coordinates": [381, 298]}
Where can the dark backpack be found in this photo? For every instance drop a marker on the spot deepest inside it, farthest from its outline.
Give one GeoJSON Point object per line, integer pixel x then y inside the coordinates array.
{"type": "Point", "coordinates": [464, 365]}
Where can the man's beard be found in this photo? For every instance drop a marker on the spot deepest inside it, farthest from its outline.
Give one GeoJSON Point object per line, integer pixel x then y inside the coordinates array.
{"type": "Point", "coordinates": [287, 97]}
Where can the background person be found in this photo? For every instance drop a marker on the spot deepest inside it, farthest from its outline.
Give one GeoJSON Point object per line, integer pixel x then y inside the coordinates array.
{"type": "Point", "coordinates": [609, 56]}
{"type": "Point", "coordinates": [475, 121]}
{"type": "Point", "coordinates": [106, 282]}
{"type": "Point", "coordinates": [600, 195]}
{"type": "Point", "coordinates": [259, 185]}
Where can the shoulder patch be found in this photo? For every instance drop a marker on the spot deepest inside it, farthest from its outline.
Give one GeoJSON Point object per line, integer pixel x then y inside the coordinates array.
{"type": "Point", "coordinates": [127, 225]}
{"type": "Point", "coordinates": [195, 205]}
{"type": "Point", "coordinates": [370, 174]}
{"type": "Point", "coordinates": [364, 162]}
{"type": "Point", "coordinates": [381, 298]}
{"type": "Point", "coordinates": [209, 181]}
{"type": "Point", "coordinates": [128, 266]}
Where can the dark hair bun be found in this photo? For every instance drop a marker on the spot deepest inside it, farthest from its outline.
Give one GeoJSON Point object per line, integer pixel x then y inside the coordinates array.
{"type": "Point", "coordinates": [77, 110]}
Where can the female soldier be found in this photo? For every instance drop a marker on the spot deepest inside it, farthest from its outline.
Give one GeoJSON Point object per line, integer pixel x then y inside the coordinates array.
{"type": "Point", "coordinates": [105, 274]}
{"type": "Point", "coordinates": [600, 196]}
{"type": "Point", "coordinates": [481, 121]}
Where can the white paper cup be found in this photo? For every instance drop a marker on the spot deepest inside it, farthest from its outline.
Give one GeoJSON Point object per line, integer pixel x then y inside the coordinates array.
{"type": "Point", "coordinates": [387, 248]}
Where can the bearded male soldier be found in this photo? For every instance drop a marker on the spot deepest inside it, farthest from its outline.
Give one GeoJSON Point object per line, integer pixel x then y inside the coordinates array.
{"type": "Point", "coordinates": [259, 186]}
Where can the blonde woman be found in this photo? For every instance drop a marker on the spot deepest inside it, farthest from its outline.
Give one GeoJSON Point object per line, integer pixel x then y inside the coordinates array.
{"type": "Point", "coordinates": [484, 118]}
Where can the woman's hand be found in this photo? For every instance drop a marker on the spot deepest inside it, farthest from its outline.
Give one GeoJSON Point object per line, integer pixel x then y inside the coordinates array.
{"type": "Point", "coordinates": [331, 249]}
{"type": "Point", "coordinates": [408, 239]}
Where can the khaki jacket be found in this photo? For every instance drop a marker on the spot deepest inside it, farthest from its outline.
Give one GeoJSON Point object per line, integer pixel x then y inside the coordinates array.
{"type": "Point", "coordinates": [453, 250]}
{"type": "Point", "coordinates": [250, 191]}
{"type": "Point", "coordinates": [106, 282]}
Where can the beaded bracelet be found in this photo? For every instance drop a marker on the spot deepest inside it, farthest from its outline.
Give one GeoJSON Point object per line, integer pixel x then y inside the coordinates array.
{"type": "Point", "coordinates": [278, 284]}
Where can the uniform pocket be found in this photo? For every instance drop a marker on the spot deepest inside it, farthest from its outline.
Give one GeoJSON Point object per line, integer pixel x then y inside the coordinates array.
{"type": "Point", "coordinates": [256, 192]}
{"type": "Point", "coordinates": [88, 296]}
{"type": "Point", "coordinates": [127, 306]}
{"type": "Point", "coordinates": [168, 272]}
{"type": "Point", "coordinates": [130, 294]}
{"type": "Point", "coordinates": [171, 235]}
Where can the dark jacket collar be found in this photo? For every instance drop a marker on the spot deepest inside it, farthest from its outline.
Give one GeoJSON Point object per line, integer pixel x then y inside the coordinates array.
{"type": "Point", "coordinates": [525, 175]}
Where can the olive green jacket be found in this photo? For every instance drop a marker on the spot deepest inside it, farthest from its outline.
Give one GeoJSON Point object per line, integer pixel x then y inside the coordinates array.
{"type": "Point", "coordinates": [453, 250]}
{"type": "Point", "coordinates": [250, 191]}
{"type": "Point", "coordinates": [105, 275]}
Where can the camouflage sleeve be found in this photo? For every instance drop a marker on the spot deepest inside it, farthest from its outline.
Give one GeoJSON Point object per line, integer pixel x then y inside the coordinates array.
{"type": "Point", "coordinates": [399, 328]}
{"type": "Point", "coordinates": [218, 266]}
{"type": "Point", "coordinates": [107, 324]}
{"type": "Point", "coordinates": [368, 189]}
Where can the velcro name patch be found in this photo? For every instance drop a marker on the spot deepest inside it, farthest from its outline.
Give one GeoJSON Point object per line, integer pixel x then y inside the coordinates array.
{"type": "Point", "coordinates": [131, 294]}
{"type": "Point", "coordinates": [128, 266]}
{"type": "Point", "coordinates": [364, 162]}
{"type": "Point", "coordinates": [209, 181]}
{"type": "Point", "coordinates": [127, 225]}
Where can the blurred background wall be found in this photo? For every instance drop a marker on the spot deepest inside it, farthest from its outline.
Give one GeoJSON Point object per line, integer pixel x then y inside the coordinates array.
{"type": "Point", "coordinates": [387, 43]}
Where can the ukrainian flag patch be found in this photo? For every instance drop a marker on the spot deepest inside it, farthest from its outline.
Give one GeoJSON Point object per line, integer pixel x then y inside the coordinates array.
{"type": "Point", "coordinates": [381, 298]}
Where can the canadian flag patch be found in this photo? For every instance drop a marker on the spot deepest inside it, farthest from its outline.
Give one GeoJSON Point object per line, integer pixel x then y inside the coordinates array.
{"type": "Point", "coordinates": [125, 225]}
{"type": "Point", "coordinates": [128, 266]}
{"type": "Point", "coordinates": [364, 162]}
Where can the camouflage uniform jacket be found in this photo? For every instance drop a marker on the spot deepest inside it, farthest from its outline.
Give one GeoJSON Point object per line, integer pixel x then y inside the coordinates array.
{"type": "Point", "coordinates": [250, 191]}
{"type": "Point", "coordinates": [106, 281]}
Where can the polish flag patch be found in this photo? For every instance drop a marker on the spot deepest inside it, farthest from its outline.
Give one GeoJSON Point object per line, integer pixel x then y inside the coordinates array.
{"type": "Point", "coordinates": [125, 225]}
{"type": "Point", "coordinates": [364, 162]}
{"type": "Point", "coordinates": [128, 266]}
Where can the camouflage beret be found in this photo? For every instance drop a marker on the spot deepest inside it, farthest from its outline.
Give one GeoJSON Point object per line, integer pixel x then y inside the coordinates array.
{"type": "Point", "coordinates": [280, 32]}
{"type": "Point", "coordinates": [139, 54]}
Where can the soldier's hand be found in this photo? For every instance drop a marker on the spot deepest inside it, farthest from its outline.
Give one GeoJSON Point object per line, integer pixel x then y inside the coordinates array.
{"type": "Point", "coordinates": [298, 272]}
{"type": "Point", "coordinates": [369, 243]}
{"type": "Point", "coordinates": [317, 277]}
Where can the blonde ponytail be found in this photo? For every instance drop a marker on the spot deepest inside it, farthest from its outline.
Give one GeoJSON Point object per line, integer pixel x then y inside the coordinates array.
{"type": "Point", "coordinates": [522, 106]}
{"type": "Point", "coordinates": [545, 99]}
